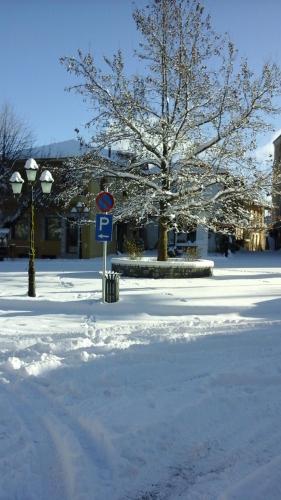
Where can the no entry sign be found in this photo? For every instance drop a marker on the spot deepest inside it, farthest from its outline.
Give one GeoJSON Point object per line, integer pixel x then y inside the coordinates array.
{"type": "Point", "coordinates": [105, 201]}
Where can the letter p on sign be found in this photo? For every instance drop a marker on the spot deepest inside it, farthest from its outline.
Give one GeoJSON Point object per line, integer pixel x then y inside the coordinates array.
{"type": "Point", "coordinates": [104, 221]}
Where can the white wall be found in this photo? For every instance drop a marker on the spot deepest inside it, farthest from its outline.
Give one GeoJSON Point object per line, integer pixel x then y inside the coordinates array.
{"type": "Point", "coordinates": [202, 241]}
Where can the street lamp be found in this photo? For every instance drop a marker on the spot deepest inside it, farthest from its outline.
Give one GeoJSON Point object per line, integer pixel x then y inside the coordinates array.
{"type": "Point", "coordinates": [79, 211]}
{"type": "Point", "coordinates": [16, 182]}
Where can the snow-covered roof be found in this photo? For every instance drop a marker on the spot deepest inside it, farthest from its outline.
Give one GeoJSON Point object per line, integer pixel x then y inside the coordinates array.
{"type": "Point", "coordinates": [71, 149]}
{"type": "Point", "coordinates": [64, 149]}
{"type": "Point", "coordinates": [277, 139]}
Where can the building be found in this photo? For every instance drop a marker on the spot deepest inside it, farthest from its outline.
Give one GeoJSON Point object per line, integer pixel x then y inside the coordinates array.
{"type": "Point", "coordinates": [275, 232]}
{"type": "Point", "coordinates": [58, 232]}
{"type": "Point", "coordinates": [64, 233]}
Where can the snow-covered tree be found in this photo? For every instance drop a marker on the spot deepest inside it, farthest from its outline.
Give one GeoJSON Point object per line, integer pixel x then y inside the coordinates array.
{"type": "Point", "coordinates": [189, 122]}
{"type": "Point", "coordinates": [15, 138]}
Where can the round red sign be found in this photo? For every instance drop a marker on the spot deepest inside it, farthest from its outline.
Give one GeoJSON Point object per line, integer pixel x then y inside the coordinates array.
{"type": "Point", "coordinates": [105, 201]}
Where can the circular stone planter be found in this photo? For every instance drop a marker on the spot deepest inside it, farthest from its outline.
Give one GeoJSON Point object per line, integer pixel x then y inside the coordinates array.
{"type": "Point", "coordinates": [149, 267]}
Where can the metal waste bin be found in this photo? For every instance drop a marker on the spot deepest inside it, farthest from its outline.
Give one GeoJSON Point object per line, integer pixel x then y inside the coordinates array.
{"type": "Point", "coordinates": [111, 287]}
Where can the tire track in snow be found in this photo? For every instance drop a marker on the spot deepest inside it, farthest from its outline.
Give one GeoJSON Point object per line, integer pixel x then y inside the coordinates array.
{"type": "Point", "coordinates": [42, 478]}
{"type": "Point", "coordinates": [77, 458]}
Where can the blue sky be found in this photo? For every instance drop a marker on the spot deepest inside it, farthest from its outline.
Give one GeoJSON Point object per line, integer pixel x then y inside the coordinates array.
{"type": "Point", "coordinates": [34, 34]}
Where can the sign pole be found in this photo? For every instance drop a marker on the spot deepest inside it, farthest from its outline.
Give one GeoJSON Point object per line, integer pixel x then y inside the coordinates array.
{"type": "Point", "coordinates": [104, 252]}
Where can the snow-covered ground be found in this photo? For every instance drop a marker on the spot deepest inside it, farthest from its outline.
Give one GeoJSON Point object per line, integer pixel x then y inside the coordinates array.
{"type": "Point", "coordinates": [172, 393]}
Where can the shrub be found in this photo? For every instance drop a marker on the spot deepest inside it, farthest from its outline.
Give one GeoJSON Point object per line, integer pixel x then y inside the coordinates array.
{"type": "Point", "coordinates": [192, 253]}
{"type": "Point", "coordinates": [133, 248]}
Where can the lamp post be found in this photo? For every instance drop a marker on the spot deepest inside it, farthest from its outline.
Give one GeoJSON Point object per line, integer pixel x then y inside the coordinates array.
{"type": "Point", "coordinates": [16, 182]}
{"type": "Point", "coordinates": [79, 210]}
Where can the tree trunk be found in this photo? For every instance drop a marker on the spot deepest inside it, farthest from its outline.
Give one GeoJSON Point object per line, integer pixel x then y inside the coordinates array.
{"type": "Point", "coordinates": [163, 240]}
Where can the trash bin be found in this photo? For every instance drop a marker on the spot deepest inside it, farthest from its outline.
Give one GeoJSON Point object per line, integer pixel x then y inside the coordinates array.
{"type": "Point", "coordinates": [111, 287]}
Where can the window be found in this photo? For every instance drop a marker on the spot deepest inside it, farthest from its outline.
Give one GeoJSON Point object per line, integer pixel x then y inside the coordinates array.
{"type": "Point", "coordinates": [71, 236]}
{"type": "Point", "coordinates": [191, 236]}
{"type": "Point", "coordinates": [21, 229]}
{"type": "Point", "coordinates": [52, 228]}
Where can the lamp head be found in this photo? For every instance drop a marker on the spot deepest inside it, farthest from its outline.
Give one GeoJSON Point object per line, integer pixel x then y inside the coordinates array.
{"type": "Point", "coordinates": [46, 180]}
{"type": "Point", "coordinates": [31, 168]}
{"type": "Point", "coordinates": [16, 182]}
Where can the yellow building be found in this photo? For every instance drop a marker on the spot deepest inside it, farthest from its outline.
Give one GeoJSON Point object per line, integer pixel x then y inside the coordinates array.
{"type": "Point", "coordinates": [255, 236]}
{"type": "Point", "coordinates": [58, 232]}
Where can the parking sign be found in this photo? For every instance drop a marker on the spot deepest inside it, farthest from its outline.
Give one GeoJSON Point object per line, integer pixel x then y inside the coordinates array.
{"type": "Point", "coordinates": [103, 227]}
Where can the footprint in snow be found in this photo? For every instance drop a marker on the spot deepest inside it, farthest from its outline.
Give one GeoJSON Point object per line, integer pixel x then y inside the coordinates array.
{"type": "Point", "coordinates": [195, 321]}
{"type": "Point", "coordinates": [67, 284]}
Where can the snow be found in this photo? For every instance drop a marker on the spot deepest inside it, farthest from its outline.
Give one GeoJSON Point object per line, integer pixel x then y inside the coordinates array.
{"type": "Point", "coordinates": [31, 164]}
{"type": "Point", "coordinates": [4, 232]}
{"type": "Point", "coordinates": [68, 149]}
{"type": "Point", "coordinates": [62, 149]}
{"type": "Point", "coordinates": [46, 176]}
{"type": "Point", "coordinates": [16, 177]}
{"type": "Point", "coordinates": [150, 262]}
{"type": "Point", "coordinates": [171, 393]}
